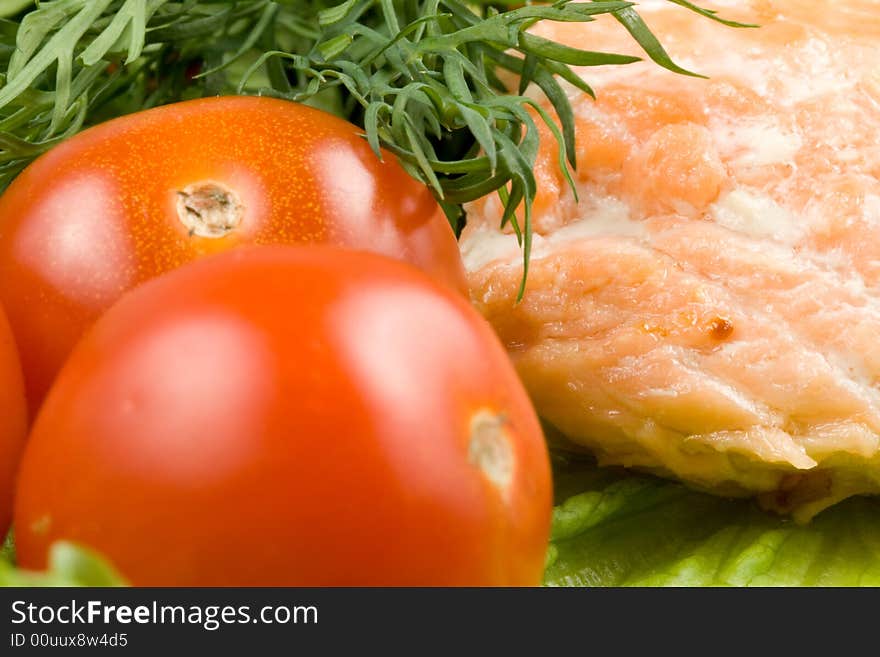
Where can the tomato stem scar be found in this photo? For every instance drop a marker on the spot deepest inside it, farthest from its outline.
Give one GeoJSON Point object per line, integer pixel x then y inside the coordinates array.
{"type": "Point", "coordinates": [490, 450]}
{"type": "Point", "coordinates": [209, 209]}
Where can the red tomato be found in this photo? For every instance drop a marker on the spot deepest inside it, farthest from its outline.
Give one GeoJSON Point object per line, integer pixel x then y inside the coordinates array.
{"type": "Point", "coordinates": [13, 421]}
{"type": "Point", "coordinates": [291, 416]}
{"type": "Point", "coordinates": [138, 196]}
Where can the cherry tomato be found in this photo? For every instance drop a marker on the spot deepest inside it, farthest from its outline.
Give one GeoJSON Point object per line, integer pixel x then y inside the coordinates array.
{"type": "Point", "coordinates": [291, 416]}
{"type": "Point", "coordinates": [140, 195]}
{"type": "Point", "coordinates": [13, 421]}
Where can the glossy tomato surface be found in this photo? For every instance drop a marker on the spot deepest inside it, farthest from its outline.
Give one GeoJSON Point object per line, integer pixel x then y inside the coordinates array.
{"type": "Point", "coordinates": [291, 416]}
{"type": "Point", "coordinates": [140, 195]}
{"type": "Point", "coordinates": [13, 421]}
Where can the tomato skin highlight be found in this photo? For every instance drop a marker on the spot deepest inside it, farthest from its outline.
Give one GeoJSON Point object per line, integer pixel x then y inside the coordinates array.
{"type": "Point", "coordinates": [291, 416]}
{"type": "Point", "coordinates": [102, 212]}
{"type": "Point", "coordinates": [13, 420]}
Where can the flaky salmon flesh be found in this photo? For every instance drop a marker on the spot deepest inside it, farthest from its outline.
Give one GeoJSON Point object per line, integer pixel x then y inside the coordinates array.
{"type": "Point", "coordinates": [710, 308]}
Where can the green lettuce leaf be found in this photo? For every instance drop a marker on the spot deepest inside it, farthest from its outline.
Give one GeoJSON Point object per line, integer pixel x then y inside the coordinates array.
{"type": "Point", "coordinates": [618, 529]}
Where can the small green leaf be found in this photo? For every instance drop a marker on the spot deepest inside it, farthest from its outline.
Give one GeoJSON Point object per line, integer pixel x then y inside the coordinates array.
{"type": "Point", "coordinates": [649, 43]}
{"type": "Point", "coordinates": [710, 13]}
{"type": "Point", "coordinates": [530, 65]}
{"type": "Point", "coordinates": [562, 106]}
{"type": "Point", "coordinates": [482, 132]}
{"type": "Point", "coordinates": [371, 125]}
{"type": "Point", "coordinates": [333, 15]}
{"type": "Point", "coordinates": [419, 153]}
{"type": "Point", "coordinates": [332, 48]}
{"type": "Point", "coordinates": [550, 50]}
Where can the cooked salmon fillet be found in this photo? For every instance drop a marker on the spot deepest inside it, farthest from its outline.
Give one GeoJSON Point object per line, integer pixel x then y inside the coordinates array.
{"type": "Point", "coordinates": [710, 308]}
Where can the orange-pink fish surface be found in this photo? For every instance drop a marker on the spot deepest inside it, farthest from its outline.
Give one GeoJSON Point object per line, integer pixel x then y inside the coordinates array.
{"type": "Point", "coordinates": [710, 308]}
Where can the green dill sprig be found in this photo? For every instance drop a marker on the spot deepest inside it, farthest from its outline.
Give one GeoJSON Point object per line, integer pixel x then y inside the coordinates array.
{"type": "Point", "coordinates": [422, 77]}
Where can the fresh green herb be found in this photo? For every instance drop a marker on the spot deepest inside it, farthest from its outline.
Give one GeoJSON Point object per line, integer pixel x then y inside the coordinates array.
{"type": "Point", "coordinates": [423, 77]}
